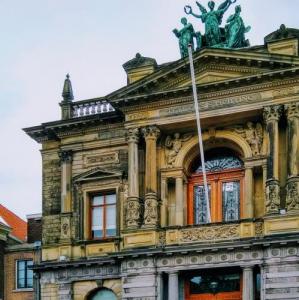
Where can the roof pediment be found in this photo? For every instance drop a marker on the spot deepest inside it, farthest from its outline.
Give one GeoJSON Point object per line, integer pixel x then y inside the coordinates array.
{"type": "Point", "coordinates": [98, 174]}
{"type": "Point", "coordinates": [211, 65]}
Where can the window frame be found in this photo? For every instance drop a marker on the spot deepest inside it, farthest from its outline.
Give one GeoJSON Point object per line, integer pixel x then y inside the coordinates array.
{"type": "Point", "coordinates": [104, 206]}
{"type": "Point", "coordinates": [26, 287]}
{"type": "Point", "coordinates": [215, 180]}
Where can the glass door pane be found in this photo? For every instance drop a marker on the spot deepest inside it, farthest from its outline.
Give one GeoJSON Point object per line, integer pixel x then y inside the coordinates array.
{"type": "Point", "coordinates": [231, 201]}
{"type": "Point", "coordinates": [200, 207]}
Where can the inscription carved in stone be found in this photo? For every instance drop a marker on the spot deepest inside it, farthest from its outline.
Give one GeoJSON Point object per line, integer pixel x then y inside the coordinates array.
{"type": "Point", "coordinates": [101, 159]}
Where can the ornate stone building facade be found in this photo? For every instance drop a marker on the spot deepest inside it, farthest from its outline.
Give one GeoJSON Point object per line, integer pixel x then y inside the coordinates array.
{"type": "Point", "coordinates": [124, 214]}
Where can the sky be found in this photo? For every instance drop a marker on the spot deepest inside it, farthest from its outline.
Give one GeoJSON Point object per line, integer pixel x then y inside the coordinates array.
{"type": "Point", "coordinates": [43, 40]}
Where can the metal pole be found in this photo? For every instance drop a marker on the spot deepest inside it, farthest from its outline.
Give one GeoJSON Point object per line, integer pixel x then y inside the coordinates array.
{"type": "Point", "coordinates": [202, 157]}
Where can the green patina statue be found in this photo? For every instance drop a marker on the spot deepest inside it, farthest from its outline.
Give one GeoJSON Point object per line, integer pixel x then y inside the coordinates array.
{"type": "Point", "coordinates": [212, 20]}
{"type": "Point", "coordinates": [232, 36]}
{"type": "Point", "coordinates": [186, 37]}
{"type": "Point", "coordinates": [235, 30]}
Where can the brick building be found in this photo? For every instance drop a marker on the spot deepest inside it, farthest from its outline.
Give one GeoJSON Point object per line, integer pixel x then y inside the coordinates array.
{"type": "Point", "coordinates": [124, 213]}
{"type": "Point", "coordinates": [19, 256]}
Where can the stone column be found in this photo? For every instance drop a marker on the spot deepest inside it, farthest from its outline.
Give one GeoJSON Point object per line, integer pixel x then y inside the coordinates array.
{"type": "Point", "coordinates": [179, 201]}
{"type": "Point", "coordinates": [66, 158]}
{"type": "Point", "coordinates": [65, 291]}
{"type": "Point", "coordinates": [151, 216]}
{"type": "Point", "coordinates": [160, 287]}
{"type": "Point", "coordinates": [173, 286]}
{"type": "Point", "coordinates": [164, 204]}
{"type": "Point", "coordinates": [272, 115]}
{"type": "Point", "coordinates": [248, 210]}
{"type": "Point", "coordinates": [292, 200]}
{"type": "Point", "coordinates": [248, 286]}
{"type": "Point", "coordinates": [134, 207]}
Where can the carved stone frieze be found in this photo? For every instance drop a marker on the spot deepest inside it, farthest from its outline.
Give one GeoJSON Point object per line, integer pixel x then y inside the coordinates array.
{"type": "Point", "coordinates": [210, 233]}
{"type": "Point", "coordinates": [253, 134]}
{"type": "Point", "coordinates": [292, 200]}
{"type": "Point", "coordinates": [173, 146]}
{"type": "Point", "coordinates": [133, 213]}
{"type": "Point", "coordinates": [132, 135]}
{"type": "Point", "coordinates": [272, 196]}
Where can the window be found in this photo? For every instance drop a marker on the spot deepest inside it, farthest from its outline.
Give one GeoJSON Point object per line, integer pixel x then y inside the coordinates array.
{"type": "Point", "coordinates": [225, 182]}
{"type": "Point", "coordinates": [103, 295]}
{"type": "Point", "coordinates": [103, 216]}
{"type": "Point", "coordinates": [24, 274]}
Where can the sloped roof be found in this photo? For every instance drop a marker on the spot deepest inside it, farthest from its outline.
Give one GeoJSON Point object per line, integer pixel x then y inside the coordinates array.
{"type": "Point", "coordinates": [18, 226]}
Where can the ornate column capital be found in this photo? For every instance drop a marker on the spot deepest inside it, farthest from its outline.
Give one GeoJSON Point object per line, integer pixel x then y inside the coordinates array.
{"type": "Point", "coordinates": [272, 113]}
{"type": "Point", "coordinates": [132, 135]}
{"type": "Point", "coordinates": [292, 110]}
{"type": "Point", "coordinates": [66, 156]}
{"type": "Point", "coordinates": [150, 132]}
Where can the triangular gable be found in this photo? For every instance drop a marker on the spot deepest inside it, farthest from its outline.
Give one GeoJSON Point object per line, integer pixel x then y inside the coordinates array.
{"type": "Point", "coordinates": [211, 65]}
{"type": "Point", "coordinates": [97, 174]}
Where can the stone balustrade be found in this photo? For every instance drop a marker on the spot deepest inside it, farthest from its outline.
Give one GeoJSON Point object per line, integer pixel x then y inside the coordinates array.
{"type": "Point", "coordinates": [90, 108]}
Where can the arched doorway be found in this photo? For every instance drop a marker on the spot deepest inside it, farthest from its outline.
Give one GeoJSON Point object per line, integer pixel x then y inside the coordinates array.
{"type": "Point", "coordinates": [103, 294]}
{"type": "Point", "coordinates": [225, 174]}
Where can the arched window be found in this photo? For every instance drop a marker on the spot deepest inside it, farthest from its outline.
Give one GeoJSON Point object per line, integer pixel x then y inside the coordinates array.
{"type": "Point", "coordinates": [103, 294]}
{"type": "Point", "coordinates": [225, 182]}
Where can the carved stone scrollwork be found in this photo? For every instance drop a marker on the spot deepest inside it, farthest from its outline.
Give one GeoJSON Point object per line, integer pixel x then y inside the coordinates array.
{"type": "Point", "coordinates": [292, 201]}
{"type": "Point", "coordinates": [210, 233]}
{"type": "Point", "coordinates": [66, 156]}
{"type": "Point", "coordinates": [132, 135]}
{"type": "Point", "coordinates": [151, 210]}
{"type": "Point", "coordinates": [133, 213]}
{"type": "Point", "coordinates": [272, 196]}
{"type": "Point", "coordinates": [174, 145]}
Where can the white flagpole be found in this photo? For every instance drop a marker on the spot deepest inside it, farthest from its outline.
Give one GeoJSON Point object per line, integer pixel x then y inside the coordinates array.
{"type": "Point", "coordinates": [199, 133]}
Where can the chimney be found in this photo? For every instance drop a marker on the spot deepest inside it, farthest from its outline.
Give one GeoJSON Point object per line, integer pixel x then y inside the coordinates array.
{"type": "Point", "coordinates": [34, 228]}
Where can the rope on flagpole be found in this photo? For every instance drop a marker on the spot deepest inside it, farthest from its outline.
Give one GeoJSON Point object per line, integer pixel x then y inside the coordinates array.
{"type": "Point", "coordinates": [195, 96]}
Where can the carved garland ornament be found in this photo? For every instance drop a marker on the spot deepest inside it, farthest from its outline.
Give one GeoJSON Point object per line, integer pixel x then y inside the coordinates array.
{"type": "Point", "coordinates": [210, 233]}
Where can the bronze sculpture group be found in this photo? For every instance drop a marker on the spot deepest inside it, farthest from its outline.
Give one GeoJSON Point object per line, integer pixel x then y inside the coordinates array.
{"type": "Point", "coordinates": [231, 36]}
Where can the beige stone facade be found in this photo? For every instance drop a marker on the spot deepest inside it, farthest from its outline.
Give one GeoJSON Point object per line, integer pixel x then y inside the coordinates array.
{"type": "Point", "coordinates": [141, 143]}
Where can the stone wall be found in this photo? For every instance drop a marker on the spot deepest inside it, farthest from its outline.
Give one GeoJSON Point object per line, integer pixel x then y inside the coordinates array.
{"type": "Point", "coordinates": [51, 229]}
